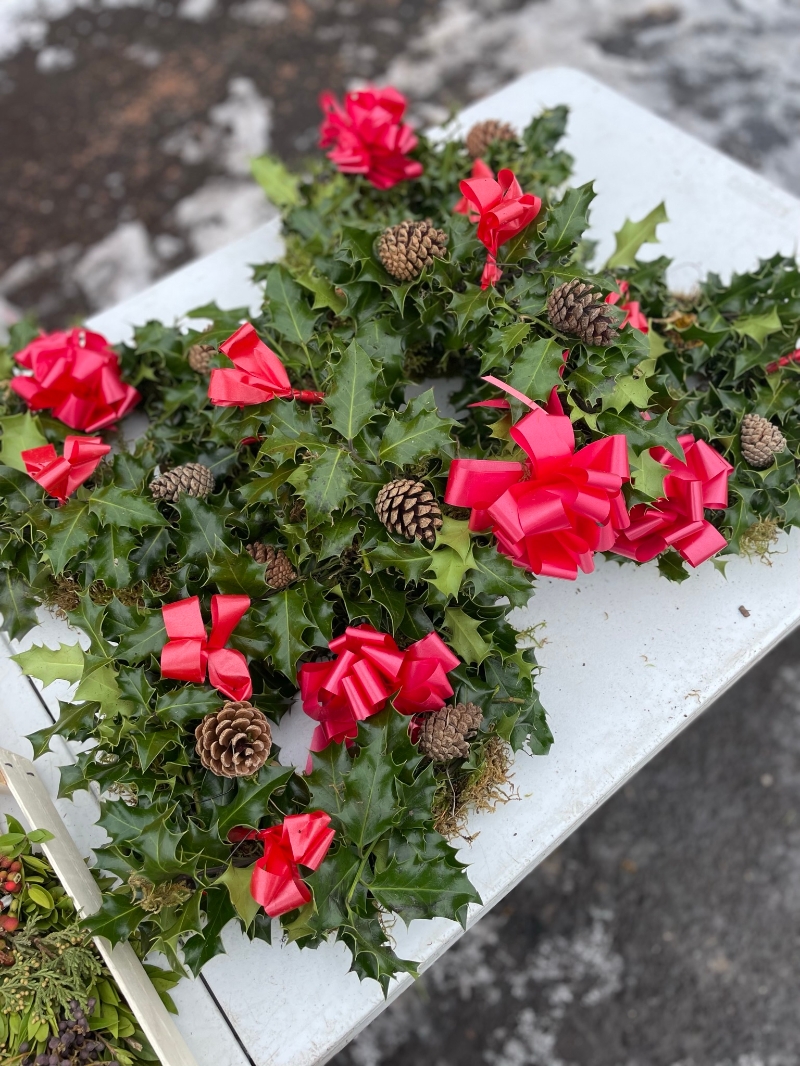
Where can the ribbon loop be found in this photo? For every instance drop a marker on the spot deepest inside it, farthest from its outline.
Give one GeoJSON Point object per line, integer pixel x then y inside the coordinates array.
{"type": "Point", "coordinates": [259, 375]}
{"type": "Point", "coordinates": [550, 514]}
{"type": "Point", "coordinates": [60, 476]}
{"type": "Point", "coordinates": [300, 840]}
{"type": "Point", "coordinates": [189, 652]}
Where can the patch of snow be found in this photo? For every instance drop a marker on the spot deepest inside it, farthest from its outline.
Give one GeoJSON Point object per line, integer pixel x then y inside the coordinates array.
{"type": "Point", "coordinates": [54, 58]}
{"type": "Point", "coordinates": [222, 210]}
{"type": "Point", "coordinates": [116, 267]}
{"type": "Point", "coordinates": [196, 10]}
{"type": "Point", "coordinates": [259, 12]}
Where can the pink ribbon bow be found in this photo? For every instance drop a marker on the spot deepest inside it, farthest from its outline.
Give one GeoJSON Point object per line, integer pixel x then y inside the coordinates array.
{"type": "Point", "coordinates": [503, 211]}
{"type": "Point", "coordinates": [77, 375]}
{"type": "Point", "coordinates": [189, 651]}
{"type": "Point", "coordinates": [551, 513]}
{"type": "Point", "coordinates": [368, 136]}
{"type": "Point", "coordinates": [300, 840]}
{"type": "Point", "coordinates": [676, 519]}
{"type": "Point", "coordinates": [367, 670]}
{"type": "Point", "coordinates": [633, 312]}
{"type": "Point", "coordinates": [61, 476]}
{"type": "Point", "coordinates": [259, 375]}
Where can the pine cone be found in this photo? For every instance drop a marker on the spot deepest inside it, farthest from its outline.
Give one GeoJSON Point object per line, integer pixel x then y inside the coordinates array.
{"type": "Point", "coordinates": [234, 741]}
{"type": "Point", "coordinates": [199, 356]}
{"type": "Point", "coordinates": [761, 441]}
{"type": "Point", "coordinates": [192, 478]}
{"type": "Point", "coordinates": [408, 508]}
{"type": "Point", "coordinates": [445, 734]}
{"type": "Point", "coordinates": [280, 572]}
{"type": "Point", "coordinates": [406, 249]}
{"type": "Point", "coordinates": [484, 134]}
{"type": "Point", "coordinates": [578, 309]}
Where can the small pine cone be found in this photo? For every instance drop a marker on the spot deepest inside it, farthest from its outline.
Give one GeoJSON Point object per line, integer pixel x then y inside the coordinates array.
{"type": "Point", "coordinates": [445, 734]}
{"type": "Point", "coordinates": [408, 508]}
{"type": "Point", "coordinates": [199, 357]}
{"type": "Point", "coordinates": [761, 441]}
{"type": "Point", "coordinates": [234, 741]}
{"type": "Point", "coordinates": [484, 134]}
{"type": "Point", "coordinates": [280, 573]}
{"type": "Point", "coordinates": [192, 478]}
{"type": "Point", "coordinates": [578, 309]}
{"type": "Point", "coordinates": [406, 249]}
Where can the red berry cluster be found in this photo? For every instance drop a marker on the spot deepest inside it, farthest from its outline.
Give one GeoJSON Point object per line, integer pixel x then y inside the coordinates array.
{"type": "Point", "coordinates": [10, 882]}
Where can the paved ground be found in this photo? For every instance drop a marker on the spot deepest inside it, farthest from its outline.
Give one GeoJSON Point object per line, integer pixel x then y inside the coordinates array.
{"type": "Point", "coordinates": [665, 932]}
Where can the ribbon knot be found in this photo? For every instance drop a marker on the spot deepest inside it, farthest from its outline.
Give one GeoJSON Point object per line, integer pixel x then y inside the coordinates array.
{"type": "Point", "coordinates": [61, 475]}
{"type": "Point", "coordinates": [502, 211]}
{"type": "Point", "coordinates": [300, 840]}
{"type": "Point", "coordinates": [189, 651]}
{"type": "Point", "coordinates": [551, 513]}
{"type": "Point", "coordinates": [368, 136]}
{"type": "Point", "coordinates": [259, 375]}
{"type": "Point", "coordinates": [77, 375]}
{"type": "Point", "coordinates": [367, 670]}
{"type": "Point", "coordinates": [677, 519]}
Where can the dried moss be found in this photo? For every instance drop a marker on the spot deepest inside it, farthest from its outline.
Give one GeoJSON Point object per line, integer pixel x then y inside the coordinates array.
{"type": "Point", "coordinates": [759, 539]}
{"type": "Point", "coordinates": [478, 788]}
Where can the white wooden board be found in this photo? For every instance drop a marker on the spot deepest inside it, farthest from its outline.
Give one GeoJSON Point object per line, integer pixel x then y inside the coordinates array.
{"type": "Point", "coordinates": [629, 658]}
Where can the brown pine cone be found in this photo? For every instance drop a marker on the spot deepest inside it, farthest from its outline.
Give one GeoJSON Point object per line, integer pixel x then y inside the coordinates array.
{"type": "Point", "coordinates": [445, 734]}
{"type": "Point", "coordinates": [578, 309]}
{"type": "Point", "coordinates": [484, 134]}
{"type": "Point", "coordinates": [761, 441]}
{"type": "Point", "coordinates": [279, 573]}
{"type": "Point", "coordinates": [406, 249]}
{"type": "Point", "coordinates": [234, 741]}
{"type": "Point", "coordinates": [199, 357]}
{"type": "Point", "coordinates": [194, 479]}
{"type": "Point", "coordinates": [408, 508]}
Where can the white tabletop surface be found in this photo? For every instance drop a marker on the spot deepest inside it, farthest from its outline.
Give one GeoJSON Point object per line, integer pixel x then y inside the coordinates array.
{"type": "Point", "coordinates": [629, 659]}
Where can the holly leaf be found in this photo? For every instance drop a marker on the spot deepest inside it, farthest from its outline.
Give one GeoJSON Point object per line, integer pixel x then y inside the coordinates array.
{"type": "Point", "coordinates": [410, 559]}
{"type": "Point", "coordinates": [100, 686]}
{"type": "Point", "coordinates": [633, 235]}
{"type": "Point", "coordinates": [17, 604]}
{"type": "Point", "coordinates": [143, 639]}
{"type": "Point", "coordinates": [65, 663]}
{"type": "Point", "coordinates": [158, 845]}
{"type": "Point", "coordinates": [628, 389]}
{"type": "Point", "coordinates": [372, 955]}
{"type": "Point", "coordinates": [291, 315]}
{"type": "Point", "coordinates": [331, 883]}
{"type": "Point", "coordinates": [278, 182]}
{"type": "Point", "coordinates": [470, 306]}
{"type": "Point", "coordinates": [20, 432]}
{"type": "Point", "coordinates": [186, 704]}
{"type": "Point", "coordinates": [152, 552]}
{"type": "Point", "coordinates": [237, 574]}
{"type": "Point", "coordinates": [249, 805]}
{"type": "Point", "coordinates": [326, 484]}
{"type": "Point", "coordinates": [71, 529]}
{"type": "Point", "coordinates": [419, 430]}
{"type": "Point", "coordinates": [494, 574]}
{"type": "Point", "coordinates": [642, 433]}
{"type": "Point", "coordinates": [286, 622]}
{"type": "Point", "coordinates": [465, 638]}
{"type": "Point", "coordinates": [117, 918]}
{"type": "Point", "coordinates": [219, 911]}
{"type": "Point", "coordinates": [535, 370]}
{"type": "Point", "coordinates": [124, 509]}
{"type": "Point", "coordinates": [758, 327]}
{"type": "Point", "coordinates": [237, 881]}
{"type": "Point", "coordinates": [568, 219]}
{"type": "Point", "coordinates": [351, 398]}
{"type": "Point", "coordinates": [369, 806]}
{"type": "Point", "coordinates": [647, 474]}
{"type": "Point", "coordinates": [670, 566]}
{"type": "Point", "coordinates": [424, 890]}
{"type": "Point", "coordinates": [202, 531]}
{"type": "Point", "coordinates": [151, 744]}
{"type": "Point", "coordinates": [449, 569]}
{"type": "Point", "coordinates": [110, 557]}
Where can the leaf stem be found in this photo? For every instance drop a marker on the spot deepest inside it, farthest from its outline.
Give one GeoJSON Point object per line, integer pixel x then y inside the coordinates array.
{"type": "Point", "coordinates": [359, 872]}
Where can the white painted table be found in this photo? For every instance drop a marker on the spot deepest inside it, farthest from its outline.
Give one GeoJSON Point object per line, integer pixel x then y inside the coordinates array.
{"type": "Point", "coordinates": [629, 658]}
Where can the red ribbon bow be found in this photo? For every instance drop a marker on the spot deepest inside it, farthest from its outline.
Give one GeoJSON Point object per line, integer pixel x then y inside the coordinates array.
{"type": "Point", "coordinates": [677, 519]}
{"type": "Point", "coordinates": [633, 312]}
{"type": "Point", "coordinates": [551, 513]}
{"type": "Point", "coordinates": [77, 375]}
{"type": "Point", "coordinates": [463, 207]}
{"type": "Point", "coordinates": [301, 840]}
{"type": "Point", "coordinates": [503, 211]}
{"type": "Point", "coordinates": [259, 375]}
{"type": "Point", "coordinates": [368, 136]}
{"type": "Point", "coordinates": [367, 670]}
{"type": "Point", "coordinates": [61, 476]}
{"type": "Point", "coordinates": [190, 650]}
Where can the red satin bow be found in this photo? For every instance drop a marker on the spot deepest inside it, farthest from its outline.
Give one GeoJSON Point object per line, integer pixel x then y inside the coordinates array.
{"type": "Point", "coordinates": [259, 375]}
{"type": "Point", "coordinates": [301, 840]}
{"type": "Point", "coordinates": [368, 668]}
{"type": "Point", "coordinates": [368, 136]}
{"type": "Point", "coordinates": [551, 513]}
{"type": "Point", "coordinates": [463, 207]}
{"type": "Point", "coordinates": [677, 520]}
{"type": "Point", "coordinates": [61, 476]}
{"type": "Point", "coordinates": [77, 375]}
{"type": "Point", "coordinates": [190, 651]}
{"type": "Point", "coordinates": [633, 312]}
{"type": "Point", "coordinates": [503, 211]}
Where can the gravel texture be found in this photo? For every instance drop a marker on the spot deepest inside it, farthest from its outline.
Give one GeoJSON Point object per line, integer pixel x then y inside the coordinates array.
{"type": "Point", "coordinates": [665, 932]}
